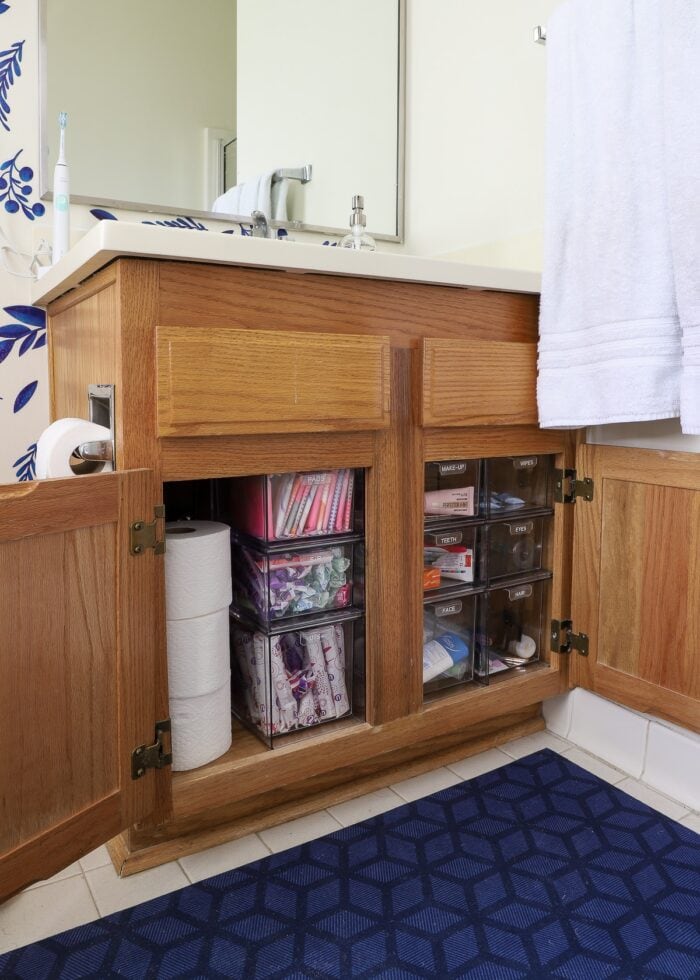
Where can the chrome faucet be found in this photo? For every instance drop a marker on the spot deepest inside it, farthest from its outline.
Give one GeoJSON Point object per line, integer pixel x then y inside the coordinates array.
{"type": "Point", "coordinates": [260, 225]}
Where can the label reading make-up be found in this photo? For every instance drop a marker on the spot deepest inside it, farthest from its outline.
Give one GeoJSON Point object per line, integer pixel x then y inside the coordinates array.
{"type": "Point", "coordinates": [452, 469]}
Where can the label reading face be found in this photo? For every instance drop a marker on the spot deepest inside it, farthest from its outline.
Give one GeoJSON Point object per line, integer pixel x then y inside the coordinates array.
{"type": "Point", "coordinates": [449, 608]}
{"type": "Point", "coordinates": [525, 463]}
{"type": "Point", "coordinates": [452, 469]}
{"type": "Point", "coordinates": [522, 592]}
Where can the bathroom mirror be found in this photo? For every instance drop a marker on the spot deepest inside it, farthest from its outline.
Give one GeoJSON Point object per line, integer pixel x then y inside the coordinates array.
{"type": "Point", "coordinates": [171, 103]}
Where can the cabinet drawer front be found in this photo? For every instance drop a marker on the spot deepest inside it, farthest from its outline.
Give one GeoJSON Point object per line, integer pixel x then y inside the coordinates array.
{"type": "Point", "coordinates": [233, 382]}
{"type": "Point", "coordinates": [473, 382]}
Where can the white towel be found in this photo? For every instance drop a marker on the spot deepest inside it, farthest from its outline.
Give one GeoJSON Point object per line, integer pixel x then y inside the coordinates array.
{"type": "Point", "coordinates": [610, 333]}
{"type": "Point", "coordinates": [251, 195]}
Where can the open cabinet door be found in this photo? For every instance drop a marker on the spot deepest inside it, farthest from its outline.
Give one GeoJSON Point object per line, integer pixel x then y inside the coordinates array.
{"type": "Point", "coordinates": [82, 679]}
{"type": "Point", "coordinates": [636, 585]}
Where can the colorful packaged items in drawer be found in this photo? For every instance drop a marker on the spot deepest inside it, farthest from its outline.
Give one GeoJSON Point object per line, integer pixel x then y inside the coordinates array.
{"type": "Point", "coordinates": [272, 586]}
{"type": "Point", "coordinates": [454, 562]}
{"type": "Point", "coordinates": [305, 504]}
{"type": "Point", "coordinates": [293, 680]}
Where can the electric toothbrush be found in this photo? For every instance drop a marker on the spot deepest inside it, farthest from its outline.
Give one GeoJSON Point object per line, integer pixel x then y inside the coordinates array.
{"type": "Point", "coordinates": [61, 196]}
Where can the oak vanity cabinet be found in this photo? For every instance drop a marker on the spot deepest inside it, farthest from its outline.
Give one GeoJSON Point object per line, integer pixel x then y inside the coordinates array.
{"type": "Point", "coordinates": [223, 372]}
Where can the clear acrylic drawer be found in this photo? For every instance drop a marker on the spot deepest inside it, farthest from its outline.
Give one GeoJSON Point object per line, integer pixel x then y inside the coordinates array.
{"type": "Point", "coordinates": [512, 629]}
{"type": "Point", "coordinates": [294, 506]}
{"type": "Point", "coordinates": [515, 546]}
{"type": "Point", "coordinates": [451, 490]}
{"type": "Point", "coordinates": [448, 642]}
{"type": "Point", "coordinates": [519, 483]}
{"type": "Point", "coordinates": [277, 582]}
{"type": "Point", "coordinates": [288, 680]}
{"type": "Point", "coordinates": [453, 557]}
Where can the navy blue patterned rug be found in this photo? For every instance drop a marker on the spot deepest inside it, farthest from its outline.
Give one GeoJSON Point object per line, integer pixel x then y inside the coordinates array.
{"type": "Point", "coordinates": [538, 869]}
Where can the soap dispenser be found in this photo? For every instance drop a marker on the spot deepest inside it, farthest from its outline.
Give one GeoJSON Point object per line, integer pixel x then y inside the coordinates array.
{"type": "Point", "coordinates": [358, 238]}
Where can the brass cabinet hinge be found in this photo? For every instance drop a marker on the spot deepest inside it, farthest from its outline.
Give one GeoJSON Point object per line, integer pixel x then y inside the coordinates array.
{"type": "Point", "coordinates": [577, 489]}
{"type": "Point", "coordinates": [152, 756]}
{"type": "Point", "coordinates": [144, 534]}
{"type": "Point", "coordinates": [564, 640]}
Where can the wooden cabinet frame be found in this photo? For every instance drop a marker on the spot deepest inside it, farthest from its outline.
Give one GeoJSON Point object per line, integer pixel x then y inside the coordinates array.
{"type": "Point", "coordinates": [111, 329]}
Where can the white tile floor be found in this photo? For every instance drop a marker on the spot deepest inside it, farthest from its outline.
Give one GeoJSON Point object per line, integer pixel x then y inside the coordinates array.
{"type": "Point", "coordinates": [90, 888]}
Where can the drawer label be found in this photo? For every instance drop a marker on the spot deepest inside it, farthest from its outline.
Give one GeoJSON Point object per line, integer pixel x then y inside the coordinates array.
{"type": "Point", "coordinates": [454, 537]}
{"type": "Point", "coordinates": [449, 608]}
{"type": "Point", "coordinates": [452, 469]}
{"type": "Point", "coordinates": [522, 592]}
{"type": "Point", "coordinates": [525, 528]}
{"type": "Point", "coordinates": [525, 462]}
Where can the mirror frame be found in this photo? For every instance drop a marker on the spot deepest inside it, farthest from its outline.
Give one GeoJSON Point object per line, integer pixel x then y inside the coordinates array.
{"type": "Point", "coordinates": [46, 194]}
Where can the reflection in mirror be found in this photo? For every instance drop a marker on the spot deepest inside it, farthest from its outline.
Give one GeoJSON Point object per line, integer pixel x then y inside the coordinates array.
{"type": "Point", "coordinates": [216, 107]}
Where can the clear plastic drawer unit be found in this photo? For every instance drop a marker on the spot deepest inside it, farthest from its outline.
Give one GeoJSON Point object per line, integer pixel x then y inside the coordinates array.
{"type": "Point", "coordinates": [290, 679]}
{"type": "Point", "coordinates": [275, 582]}
{"type": "Point", "coordinates": [512, 629]}
{"type": "Point", "coordinates": [448, 642]}
{"type": "Point", "coordinates": [294, 506]}
{"type": "Point", "coordinates": [516, 484]}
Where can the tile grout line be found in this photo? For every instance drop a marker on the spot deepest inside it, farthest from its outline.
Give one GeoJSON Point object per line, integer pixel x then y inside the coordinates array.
{"type": "Point", "coordinates": [93, 896]}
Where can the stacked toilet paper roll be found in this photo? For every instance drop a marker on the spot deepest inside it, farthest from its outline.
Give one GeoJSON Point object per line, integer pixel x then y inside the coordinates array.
{"type": "Point", "coordinates": [197, 597]}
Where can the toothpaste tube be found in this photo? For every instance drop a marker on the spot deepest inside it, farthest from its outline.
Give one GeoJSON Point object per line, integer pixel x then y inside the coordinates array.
{"type": "Point", "coordinates": [454, 561]}
{"type": "Point", "coordinates": [458, 502]}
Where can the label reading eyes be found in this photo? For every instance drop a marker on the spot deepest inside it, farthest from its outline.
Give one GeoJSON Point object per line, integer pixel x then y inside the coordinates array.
{"type": "Point", "coordinates": [521, 528]}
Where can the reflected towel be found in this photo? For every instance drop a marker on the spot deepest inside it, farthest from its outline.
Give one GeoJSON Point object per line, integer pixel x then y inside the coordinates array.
{"type": "Point", "coordinates": [259, 193]}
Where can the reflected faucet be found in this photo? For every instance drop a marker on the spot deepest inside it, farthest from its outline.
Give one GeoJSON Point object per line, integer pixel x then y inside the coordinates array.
{"type": "Point", "coordinates": [260, 226]}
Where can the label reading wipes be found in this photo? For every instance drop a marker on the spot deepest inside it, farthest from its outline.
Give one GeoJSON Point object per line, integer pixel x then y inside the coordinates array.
{"type": "Point", "coordinates": [525, 462]}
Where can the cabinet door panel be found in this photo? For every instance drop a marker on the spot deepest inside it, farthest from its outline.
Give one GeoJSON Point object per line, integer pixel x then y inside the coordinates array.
{"type": "Point", "coordinates": [636, 585]}
{"type": "Point", "coordinates": [224, 381]}
{"type": "Point", "coordinates": [80, 642]}
{"type": "Point", "coordinates": [478, 382]}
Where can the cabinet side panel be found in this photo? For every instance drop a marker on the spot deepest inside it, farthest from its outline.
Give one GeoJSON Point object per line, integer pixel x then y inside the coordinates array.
{"type": "Point", "coordinates": [83, 331]}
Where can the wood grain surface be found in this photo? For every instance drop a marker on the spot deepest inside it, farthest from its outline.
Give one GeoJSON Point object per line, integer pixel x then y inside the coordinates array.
{"type": "Point", "coordinates": [232, 381]}
{"type": "Point", "coordinates": [637, 580]}
{"type": "Point", "coordinates": [78, 621]}
{"type": "Point", "coordinates": [474, 382]}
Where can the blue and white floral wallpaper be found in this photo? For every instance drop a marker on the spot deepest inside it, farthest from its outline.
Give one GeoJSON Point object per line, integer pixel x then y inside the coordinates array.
{"type": "Point", "coordinates": [24, 222]}
{"type": "Point", "coordinates": [23, 366]}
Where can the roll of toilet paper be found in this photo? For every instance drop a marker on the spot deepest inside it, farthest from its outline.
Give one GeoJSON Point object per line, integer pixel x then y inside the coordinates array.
{"type": "Point", "coordinates": [201, 728]}
{"type": "Point", "coordinates": [198, 654]}
{"type": "Point", "coordinates": [197, 568]}
{"type": "Point", "coordinates": [58, 442]}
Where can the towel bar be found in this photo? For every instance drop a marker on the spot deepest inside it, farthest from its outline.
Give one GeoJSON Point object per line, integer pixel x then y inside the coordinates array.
{"type": "Point", "coordinates": [294, 173]}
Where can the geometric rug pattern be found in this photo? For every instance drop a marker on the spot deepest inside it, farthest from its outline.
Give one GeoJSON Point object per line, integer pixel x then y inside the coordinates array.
{"type": "Point", "coordinates": [538, 869]}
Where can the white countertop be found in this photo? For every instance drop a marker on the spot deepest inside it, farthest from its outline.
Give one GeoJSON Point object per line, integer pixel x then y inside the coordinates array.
{"type": "Point", "coordinates": [110, 239]}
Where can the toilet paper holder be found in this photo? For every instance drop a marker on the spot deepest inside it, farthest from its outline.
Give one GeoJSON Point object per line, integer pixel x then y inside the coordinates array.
{"type": "Point", "coordinates": [101, 412]}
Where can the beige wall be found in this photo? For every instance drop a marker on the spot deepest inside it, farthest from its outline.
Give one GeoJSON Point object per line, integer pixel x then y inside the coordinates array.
{"type": "Point", "coordinates": [317, 84]}
{"type": "Point", "coordinates": [475, 153]}
{"type": "Point", "coordinates": [114, 61]}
